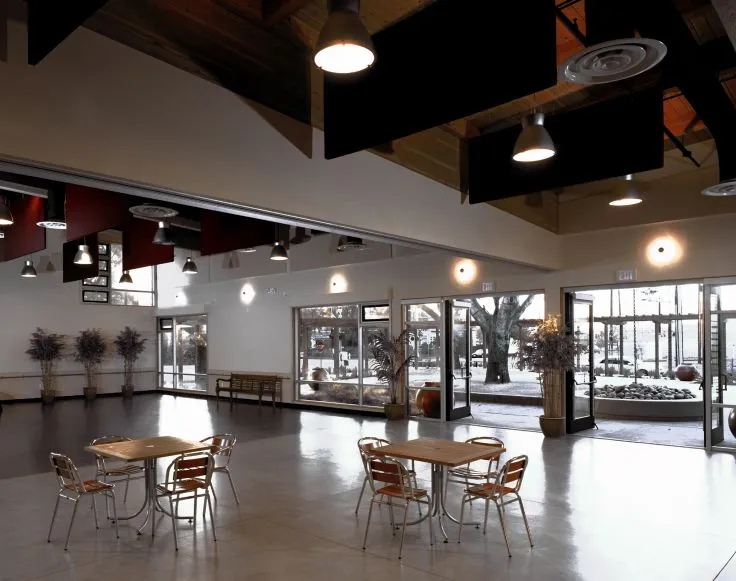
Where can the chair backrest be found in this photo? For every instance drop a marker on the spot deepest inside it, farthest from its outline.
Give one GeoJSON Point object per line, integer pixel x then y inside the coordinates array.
{"type": "Point", "coordinates": [388, 471]}
{"type": "Point", "coordinates": [100, 460]}
{"type": "Point", "coordinates": [196, 466]}
{"type": "Point", "coordinates": [66, 472]}
{"type": "Point", "coordinates": [494, 444]}
{"type": "Point", "coordinates": [365, 445]}
{"type": "Point", "coordinates": [221, 445]}
{"type": "Point", "coordinates": [511, 475]}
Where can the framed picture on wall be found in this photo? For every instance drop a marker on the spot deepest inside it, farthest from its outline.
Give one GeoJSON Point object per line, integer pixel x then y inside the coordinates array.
{"type": "Point", "coordinates": [104, 265]}
{"type": "Point", "coordinates": [103, 280]}
{"type": "Point", "coordinates": [94, 296]}
{"type": "Point", "coordinates": [103, 249]}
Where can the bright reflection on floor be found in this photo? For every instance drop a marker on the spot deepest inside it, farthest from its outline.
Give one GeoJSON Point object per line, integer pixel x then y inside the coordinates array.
{"type": "Point", "coordinates": [184, 418]}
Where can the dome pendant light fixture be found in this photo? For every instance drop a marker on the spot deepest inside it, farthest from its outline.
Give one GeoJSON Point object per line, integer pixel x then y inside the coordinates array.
{"type": "Point", "coordinates": [344, 45]}
{"type": "Point", "coordinates": [163, 235]}
{"type": "Point", "coordinates": [630, 196]}
{"type": "Point", "coordinates": [83, 257]}
{"type": "Point", "coordinates": [279, 252]}
{"type": "Point", "coordinates": [534, 143]}
{"type": "Point", "coordinates": [189, 267]}
{"type": "Point", "coordinates": [6, 218]}
{"type": "Point", "coordinates": [28, 271]}
{"type": "Point", "coordinates": [126, 278]}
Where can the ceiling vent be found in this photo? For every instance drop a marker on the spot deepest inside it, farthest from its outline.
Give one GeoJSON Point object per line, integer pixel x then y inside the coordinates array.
{"type": "Point", "coordinates": [721, 190]}
{"type": "Point", "coordinates": [153, 212]}
{"type": "Point", "coordinates": [346, 243]}
{"type": "Point", "coordinates": [612, 61]}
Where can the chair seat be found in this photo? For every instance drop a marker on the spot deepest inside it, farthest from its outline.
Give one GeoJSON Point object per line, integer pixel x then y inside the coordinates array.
{"type": "Point", "coordinates": [490, 490]}
{"type": "Point", "coordinates": [396, 491]}
{"type": "Point", "coordinates": [470, 474]}
{"type": "Point", "coordinates": [127, 469]}
{"type": "Point", "coordinates": [180, 487]}
{"type": "Point", "coordinates": [91, 486]}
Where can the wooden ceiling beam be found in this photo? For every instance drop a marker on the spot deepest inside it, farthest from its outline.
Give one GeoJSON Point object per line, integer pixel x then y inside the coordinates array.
{"type": "Point", "coordinates": [276, 11]}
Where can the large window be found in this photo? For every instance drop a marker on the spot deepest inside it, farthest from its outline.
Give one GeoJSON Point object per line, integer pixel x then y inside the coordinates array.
{"type": "Point", "coordinates": [182, 352]}
{"type": "Point", "coordinates": [332, 361]}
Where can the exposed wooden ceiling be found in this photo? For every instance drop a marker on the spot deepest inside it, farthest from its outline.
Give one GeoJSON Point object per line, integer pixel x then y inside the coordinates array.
{"type": "Point", "coordinates": [260, 50]}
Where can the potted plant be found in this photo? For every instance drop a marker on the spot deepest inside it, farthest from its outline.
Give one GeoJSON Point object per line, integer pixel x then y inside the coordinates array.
{"type": "Point", "coordinates": [89, 349]}
{"type": "Point", "coordinates": [46, 348]}
{"type": "Point", "coordinates": [389, 362]}
{"type": "Point", "coordinates": [129, 345]}
{"type": "Point", "coordinates": [550, 352]}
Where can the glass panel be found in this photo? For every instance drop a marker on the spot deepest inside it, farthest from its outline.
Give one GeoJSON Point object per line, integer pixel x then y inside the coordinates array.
{"type": "Point", "coordinates": [132, 299]}
{"type": "Point", "coordinates": [191, 352]}
{"type": "Point", "coordinates": [142, 277]}
{"type": "Point", "coordinates": [375, 393]}
{"type": "Point", "coordinates": [376, 312]}
{"type": "Point", "coordinates": [460, 364]}
{"type": "Point", "coordinates": [424, 379]}
{"type": "Point", "coordinates": [582, 323]}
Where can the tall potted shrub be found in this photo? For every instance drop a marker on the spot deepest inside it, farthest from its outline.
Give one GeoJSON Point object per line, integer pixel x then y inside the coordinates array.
{"type": "Point", "coordinates": [129, 345]}
{"type": "Point", "coordinates": [389, 362]}
{"type": "Point", "coordinates": [550, 352]}
{"type": "Point", "coordinates": [46, 348]}
{"type": "Point", "coordinates": [89, 349]}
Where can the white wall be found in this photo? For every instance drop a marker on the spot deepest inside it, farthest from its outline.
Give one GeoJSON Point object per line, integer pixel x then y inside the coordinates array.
{"type": "Point", "coordinates": [46, 302]}
{"type": "Point", "coordinates": [98, 107]}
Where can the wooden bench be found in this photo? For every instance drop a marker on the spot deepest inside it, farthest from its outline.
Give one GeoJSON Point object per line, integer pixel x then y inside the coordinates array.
{"type": "Point", "coordinates": [251, 384]}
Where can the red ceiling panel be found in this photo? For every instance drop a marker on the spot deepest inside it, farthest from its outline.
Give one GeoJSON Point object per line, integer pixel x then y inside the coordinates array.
{"type": "Point", "coordinates": [89, 211]}
{"type": "Point", "coordinates": [24, 237]}
{"type": "Point", "coordinates": [226, 232]}
{"type": "Point", "coordinates": [138, 250]}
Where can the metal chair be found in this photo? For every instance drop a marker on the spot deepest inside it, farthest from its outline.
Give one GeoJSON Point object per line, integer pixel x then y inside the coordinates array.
{"type": "Point", "coordinates": [188, 477]}
{"type": "Point", "coordinates": [72, 487]}
{"type": "Point", "coordinates": [365, 446]}
{"type": "Point", "coordinates": [389, 478]}
{"type": "Point", "coordinates": [222, 447]}
{"type": "Point", "coordinates": [502, 492]}
{"type": "Point", "coordinates": [113, 471]}
{"type": "Point", "coordinates": [480, 471]}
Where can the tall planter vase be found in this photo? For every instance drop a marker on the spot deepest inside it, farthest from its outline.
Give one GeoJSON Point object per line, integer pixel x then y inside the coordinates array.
{"type": "Point", "coordinates": [552, 422]}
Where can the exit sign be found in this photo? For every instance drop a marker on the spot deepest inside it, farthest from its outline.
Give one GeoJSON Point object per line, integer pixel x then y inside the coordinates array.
{"type": "Point", "coordinates": [626, 275]}
{"type": "Point", "coordinates": [487, 287]}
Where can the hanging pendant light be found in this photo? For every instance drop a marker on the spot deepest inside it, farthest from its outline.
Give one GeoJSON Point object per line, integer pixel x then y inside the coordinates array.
{"type": "Point", "coordinates": [28, 271]}
{"type": "Point", "coordinates": [534, 143]}
{"type": "Point", "coordinates": [6, 218]}
{"type": "Point", "coordinates": [630, 196]}
{"type": "Point", "coordinates": [344, 45]}
{"type": "Point", "coordinates": [83, 256]}
{"type": "Point", "coordinates": [189, 266]}
{"type": "Point", "coordinates": [279, 252]}
{"type": "Point", "coordinates": [163, 235]}
{"type": "Point", "coordinates": [54, 212]}
{"type": "Point", "coordinates": [126, 278]}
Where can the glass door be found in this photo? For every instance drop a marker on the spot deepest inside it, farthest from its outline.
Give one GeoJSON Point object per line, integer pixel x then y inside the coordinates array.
{"type": "Point", "coordinates": [714, 368]}
{"type": "Point", "coordinates": [580, 382]}
{"type": "Point", "coordinates": [457, 317]}
{"type": "Point", "coordinates": [182, 345]}
{"type": "Point", "coordinates": [424, 376]}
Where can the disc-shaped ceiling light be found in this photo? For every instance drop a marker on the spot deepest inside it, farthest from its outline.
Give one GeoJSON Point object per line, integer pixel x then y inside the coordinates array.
{"type": "Point", "coordinates": [126, 278]}
{"type": "Point", "coordinates": [629, 196]}
{"type": "Point", "coordinates": [163, 235]}
{"type": "Point", "coordinates": [534, 143]}
{"type": "Point", "coordinates": [724, 189]}
{"type": "Point", "coordinates": [54, 212]}
{"type": "Point", "coordinates": [28, 271]}
{"type": "Point", "coordinates": [83, 256]}
{"type": "Point", "coordinates": [344, 45]}
{"type": "Point", "coordinates": [279, 252]}
{"type": "Point", "coordinates": [6, 218]}
{"type": "Point", "coordinates": [247, 250]}
{"type": "Point", "coordinates": [190, 267]}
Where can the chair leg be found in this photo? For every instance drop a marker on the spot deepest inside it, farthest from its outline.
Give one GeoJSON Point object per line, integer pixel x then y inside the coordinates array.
{"type": "Point", "coordinates": [212, 489]}
{"type": "Point", "coordinates": [53, 517]}
{"type": "Point", "coordinates": [485, 517]}
{"type": "Point", "coordinates": [94, 509]}
{"type": "Point", "coordinates": [194, 517]}
{"type": "Point", "coordinates": [391, 515]}
{"type": "Point", "coordinates": [208, 502]}
{"type": "Point", "coordinates": [360, 497]}
{"type": "Point", "coordinates": [71, 523]}
{"type": "Point", "coordinates": [115, 514]}
{"type": "Point", "coordinates": [503, 528]}
{"type": "Point", "coordinates": [403, 529]}
{"type": "Point", "coordinates": [462, 517]}
{"type": "Point", "coordinates": [173, 520]}
{"type": "Point", "coordinates": [368, 524]}
{"type": "Point", "coordinates": [419, 504]}
{"type": "Point", "coordinates": [526, 522]}
{"type": "Point", "coordinates": [127, 485]}
{"type": "Point", "coordinates": [232, 485]}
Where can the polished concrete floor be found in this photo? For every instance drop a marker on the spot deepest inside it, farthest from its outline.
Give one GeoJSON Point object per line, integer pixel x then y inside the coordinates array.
{"type": "Point", "coordinates": [599, 509]}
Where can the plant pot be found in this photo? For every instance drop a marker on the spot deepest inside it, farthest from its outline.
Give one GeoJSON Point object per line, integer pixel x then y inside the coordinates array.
{"type": "Point", "coordinates": [394, 411]}
{"type": "Point", "coordinates": [90, 392]}
{"type": "Point", "coordinates": [127, 391]}
{"type": "Point", "coordinates": [48, 396]}
{"type": "Point", "coordinates": [429, 400]}
{"type": "Point", "coordinates": [685, 372]}
{"type": "Point", "coordinates": [732, 422]}
{"type": "Point", "coordinates": [552, 427]}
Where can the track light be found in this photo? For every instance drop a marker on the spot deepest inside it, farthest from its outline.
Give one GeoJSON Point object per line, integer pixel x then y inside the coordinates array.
{"type": "Point", "coordinates": [279, 252]}
{"type": "Point", "coordinates": [83, 256]}
{"type": "Point", "coordinates": [534, 143]}
{"type": "Point", "coordinates": [6, 218]}
{"type": "Point", "coordinates": [163, 235]}
{"type": "Point", "coordinates": [630, 196]}
{"type": "Point", "coordinates": [344, 45]}
{"type": "Point", "coordinates": [28, 271]}
{"type": "Point", "coordinates": [126, 278]}
{"type": "Point", "coordinates": [189, 266]}
{"type": "Point", "coordinates": [54, 212]}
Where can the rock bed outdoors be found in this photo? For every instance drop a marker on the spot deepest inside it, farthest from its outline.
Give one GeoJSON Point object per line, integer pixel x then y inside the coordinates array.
{"type": "Point", "coordinates": [641, 391]}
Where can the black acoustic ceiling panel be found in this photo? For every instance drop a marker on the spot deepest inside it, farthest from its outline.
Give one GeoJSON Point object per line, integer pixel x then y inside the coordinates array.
{"type": "Point", "coordinates": [606, 140]}
{"type": "Point", "coordinates": [447, 61]}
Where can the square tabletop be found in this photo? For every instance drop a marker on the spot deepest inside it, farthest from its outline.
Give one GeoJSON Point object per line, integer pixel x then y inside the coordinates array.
{"type": "Point", "coordinates": [148, 448]}
{"type": "Point", "coordinates": [442, 452]}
